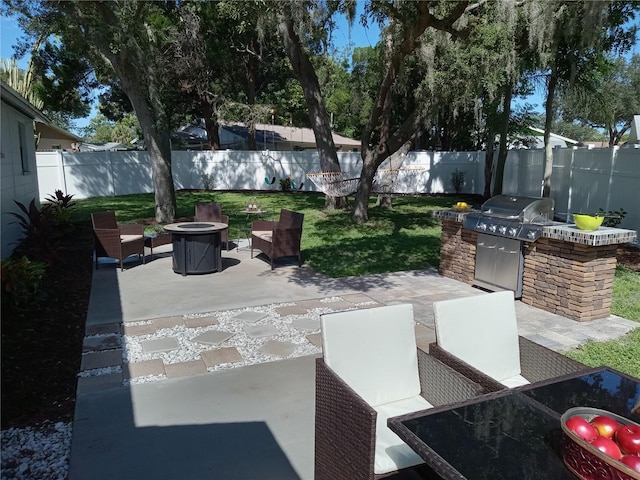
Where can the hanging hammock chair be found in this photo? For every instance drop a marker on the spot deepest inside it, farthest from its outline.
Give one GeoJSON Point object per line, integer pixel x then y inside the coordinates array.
{"type": "Point", "coordinates": [397, 181]}
{"type": "Point", "coordinates": [334, 184]}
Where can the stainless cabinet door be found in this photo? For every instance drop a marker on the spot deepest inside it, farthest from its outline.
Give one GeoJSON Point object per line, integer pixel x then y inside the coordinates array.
{"type": "Point", "coordinates": [509, 265]}
{"type": "Point", "coordinates": [486, 256]}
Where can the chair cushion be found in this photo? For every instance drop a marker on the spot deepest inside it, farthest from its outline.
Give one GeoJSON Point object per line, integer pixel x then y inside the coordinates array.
{"type": "Point", "coordinates": [130, 238]}
{"type": "Point", "coordinates": [391, 452]}
{"type": "Point", "coordinates": [374, 351]}
{"type": "Point", "coordinates": [482, 331]}
{"type": "Point", "coordinates": [516, 381]}
{"type": "Point", "coordinates": [264, 235]}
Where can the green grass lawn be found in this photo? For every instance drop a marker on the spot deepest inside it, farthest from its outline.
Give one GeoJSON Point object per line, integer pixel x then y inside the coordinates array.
{"type": "Point", "coordinates": [398, 239]}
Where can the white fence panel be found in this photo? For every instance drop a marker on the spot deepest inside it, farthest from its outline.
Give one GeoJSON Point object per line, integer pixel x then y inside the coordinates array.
{"type": "Point", "coordinates": [624, 187]}
{"type": "Point", "coordinates": [50, 173]}
{"type": "Point", "coordinates": [583, 180]}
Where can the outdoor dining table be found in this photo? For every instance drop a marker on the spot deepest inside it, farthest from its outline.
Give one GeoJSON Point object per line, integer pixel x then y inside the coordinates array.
{"type": "Point", "coordinates": [513, 433]}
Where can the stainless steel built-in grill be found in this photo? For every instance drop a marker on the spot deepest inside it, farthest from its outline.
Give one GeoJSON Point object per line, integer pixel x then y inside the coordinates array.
{"type": "Point", "coordinates": [503, 224]}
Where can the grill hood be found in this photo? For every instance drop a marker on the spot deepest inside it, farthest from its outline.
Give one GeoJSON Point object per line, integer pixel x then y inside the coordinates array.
{"type": "Point", "coordinates": [512, 216]}
{"type": "Point", "coordinates": [523, 209]}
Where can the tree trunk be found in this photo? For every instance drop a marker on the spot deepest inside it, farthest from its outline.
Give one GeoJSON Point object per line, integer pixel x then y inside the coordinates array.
{"type": "Point", "coordinates": [306, 75]}
{"type": "Point", "coordinates": [361, 204]}
{"type": "Point", "coordinates": [211, 125]}
{"type": "Point", "coordinates": [141, 82]}
{"type": "Point", "coordinates": [488, 163]}
{"type": "Point", "coordinates": [504, 132]}
{"type": "Point", "coordinates": [548, 149]}
{"type": "Point", "coordinates": [159, 148]}
{"type": "Point", "coordinates": [250, 76]}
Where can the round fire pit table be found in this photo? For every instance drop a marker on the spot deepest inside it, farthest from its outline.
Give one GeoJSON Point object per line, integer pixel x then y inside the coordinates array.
{"type": "Point", "coordinates": [196, 247]}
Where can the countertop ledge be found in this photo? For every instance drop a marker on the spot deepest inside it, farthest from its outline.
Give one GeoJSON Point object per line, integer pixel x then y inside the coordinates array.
{"type": "Point", "coordinates": [566, 232]}
{"type": "Point", "coordinates": [600, 237]}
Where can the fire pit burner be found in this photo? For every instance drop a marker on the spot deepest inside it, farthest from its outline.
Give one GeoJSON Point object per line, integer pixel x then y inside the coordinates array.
{"type": "Point", "coordinates": [196, 247]}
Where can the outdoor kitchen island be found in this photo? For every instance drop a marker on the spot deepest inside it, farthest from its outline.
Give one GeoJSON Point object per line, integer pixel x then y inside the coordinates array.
{"type": "Point", "coordinates": [566, 271]}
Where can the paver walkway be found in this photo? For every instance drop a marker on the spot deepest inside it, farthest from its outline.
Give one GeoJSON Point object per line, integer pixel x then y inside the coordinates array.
{"type": "Point", "coordinates": [141, 350]}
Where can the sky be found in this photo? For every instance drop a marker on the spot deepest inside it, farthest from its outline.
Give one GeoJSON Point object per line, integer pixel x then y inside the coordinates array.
{"type": "Point", "coordinates": [344, 37]}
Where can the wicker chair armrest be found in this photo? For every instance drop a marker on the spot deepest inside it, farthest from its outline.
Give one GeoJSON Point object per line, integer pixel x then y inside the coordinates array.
{"type": "Point", "coordinates": [130, 229]}
{"type": "Point", "coordinates": [263, 225]}
{"type": "Point", "coordinates": [345, 429]}
{"type": "Point", "coordinates": [441, 384]}
{"type": "Point", "coordinates": [487, 383]}
{"type": "Point", "coordinates": [107, 234]}
{"type": "Point", "coordinates": [282, 233]}
{"type": "Point", "coordinates": [538, 362]}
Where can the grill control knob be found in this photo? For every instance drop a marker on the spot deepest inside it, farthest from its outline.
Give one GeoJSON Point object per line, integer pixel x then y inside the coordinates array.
{"type": "Point", "coordinates": [502, 230]}
{"type": "Point", "coordinates": [531, 234]}
{"type": "Point", "coordinates": [513, 231]}
{"type": "Point", "coordinates": [492, 228]}
{"type": "Point", "coordinates": [482, 226]}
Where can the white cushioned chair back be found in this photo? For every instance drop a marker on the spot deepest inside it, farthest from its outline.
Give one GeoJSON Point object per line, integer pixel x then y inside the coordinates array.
{"type": "Point", "coordinates": [482, 331]}
{"type": "Point", "coordinates": [374, 351]}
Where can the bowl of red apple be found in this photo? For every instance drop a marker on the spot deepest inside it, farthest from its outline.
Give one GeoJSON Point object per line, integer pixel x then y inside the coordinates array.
{"type": "Point", "coordinates": [599, 444]}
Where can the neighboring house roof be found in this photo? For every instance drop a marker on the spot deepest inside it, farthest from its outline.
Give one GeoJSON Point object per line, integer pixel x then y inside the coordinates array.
{"type": "Point", "coordinates": [555, 137]}
{"type": "Point", "coordinates": [17, 101]}
{"type": "Point", "coordinates": [235, 135]}
{"type": "Point", "coordinates": [57, 131]}
{"type": "Point", "coordinates": [594, 144]}
{"type": "Point", "coordinates": [299, 136]}
{"type": "Point", "coordinates": [101, 147]}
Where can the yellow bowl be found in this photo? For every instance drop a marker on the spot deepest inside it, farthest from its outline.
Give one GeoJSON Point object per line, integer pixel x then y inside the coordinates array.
{"type": "Point", "coordinates": [587, 222]}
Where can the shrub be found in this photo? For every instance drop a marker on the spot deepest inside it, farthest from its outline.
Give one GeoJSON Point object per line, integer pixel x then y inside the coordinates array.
{"type": "Point", "coordinates": [207, 181]}
{"type": "Point", "coordinates": [61, 208]}
{"type": "Point", "coordinates": [612, 217]}
{"type": "Point", "coordinates": [21, 279]}
{"type": "Point", "coordinates": [39, 234]}
{"type": "Point", "coordinates": [286, 184]}
{"type": "Point", "coordinates": [457, 180]}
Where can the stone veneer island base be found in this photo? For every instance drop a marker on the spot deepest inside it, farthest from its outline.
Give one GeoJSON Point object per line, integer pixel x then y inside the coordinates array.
{"type": "Point", "coordinates": [568, 271]}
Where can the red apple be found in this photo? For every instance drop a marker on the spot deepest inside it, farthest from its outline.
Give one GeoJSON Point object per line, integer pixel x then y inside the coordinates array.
{"type": "Point", "coordinates": [582, 428]}
{"type": "Point", "coordinates": [606, 426]}
{"type": "Point", "coordinates": [607, 446]}
{"type": "Point", "coordinates": [628, 437]}
{"type": "Point", "coordinates": [631, 461]}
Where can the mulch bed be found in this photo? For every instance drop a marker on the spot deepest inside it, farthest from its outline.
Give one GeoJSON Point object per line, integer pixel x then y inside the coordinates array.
{"type": "Point", "coordinates": [629, 256]}
{"type": "Point", "coordinates": [42, 342]}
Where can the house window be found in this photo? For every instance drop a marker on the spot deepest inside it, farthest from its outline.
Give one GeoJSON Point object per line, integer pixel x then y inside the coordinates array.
{"type": "Point", "coordinates": [56, 147]}
{"type": "Point", "coordinates": [24, 153]}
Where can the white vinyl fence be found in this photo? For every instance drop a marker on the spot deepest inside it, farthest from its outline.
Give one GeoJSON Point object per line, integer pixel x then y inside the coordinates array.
{"type": "Point", "coordinates": [583, 180]}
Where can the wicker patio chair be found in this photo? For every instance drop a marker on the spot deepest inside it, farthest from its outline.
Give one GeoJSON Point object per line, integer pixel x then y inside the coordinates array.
{"type": "Point", "coordinates": [478, 337]}
{"type": "Point", "coordinates": [115, 240]}
{"type": "Point", "coordinates": [278, 239]}
{"type": "Point", "coordinates": [212, 212]}
{"type": "Point", "coordinates": [372, 370]}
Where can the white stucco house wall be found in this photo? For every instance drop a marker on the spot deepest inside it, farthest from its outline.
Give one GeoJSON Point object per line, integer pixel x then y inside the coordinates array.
{"type": "Point", "coordinates": [18, 172]}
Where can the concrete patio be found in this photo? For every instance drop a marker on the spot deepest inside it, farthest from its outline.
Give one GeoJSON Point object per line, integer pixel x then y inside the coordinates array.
{"type": "Point", "coordinates": [250, 422]}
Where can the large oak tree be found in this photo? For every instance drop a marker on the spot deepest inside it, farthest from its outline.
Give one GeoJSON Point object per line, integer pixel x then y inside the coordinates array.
{"type": "Point", "coordinates": [131, 38]}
